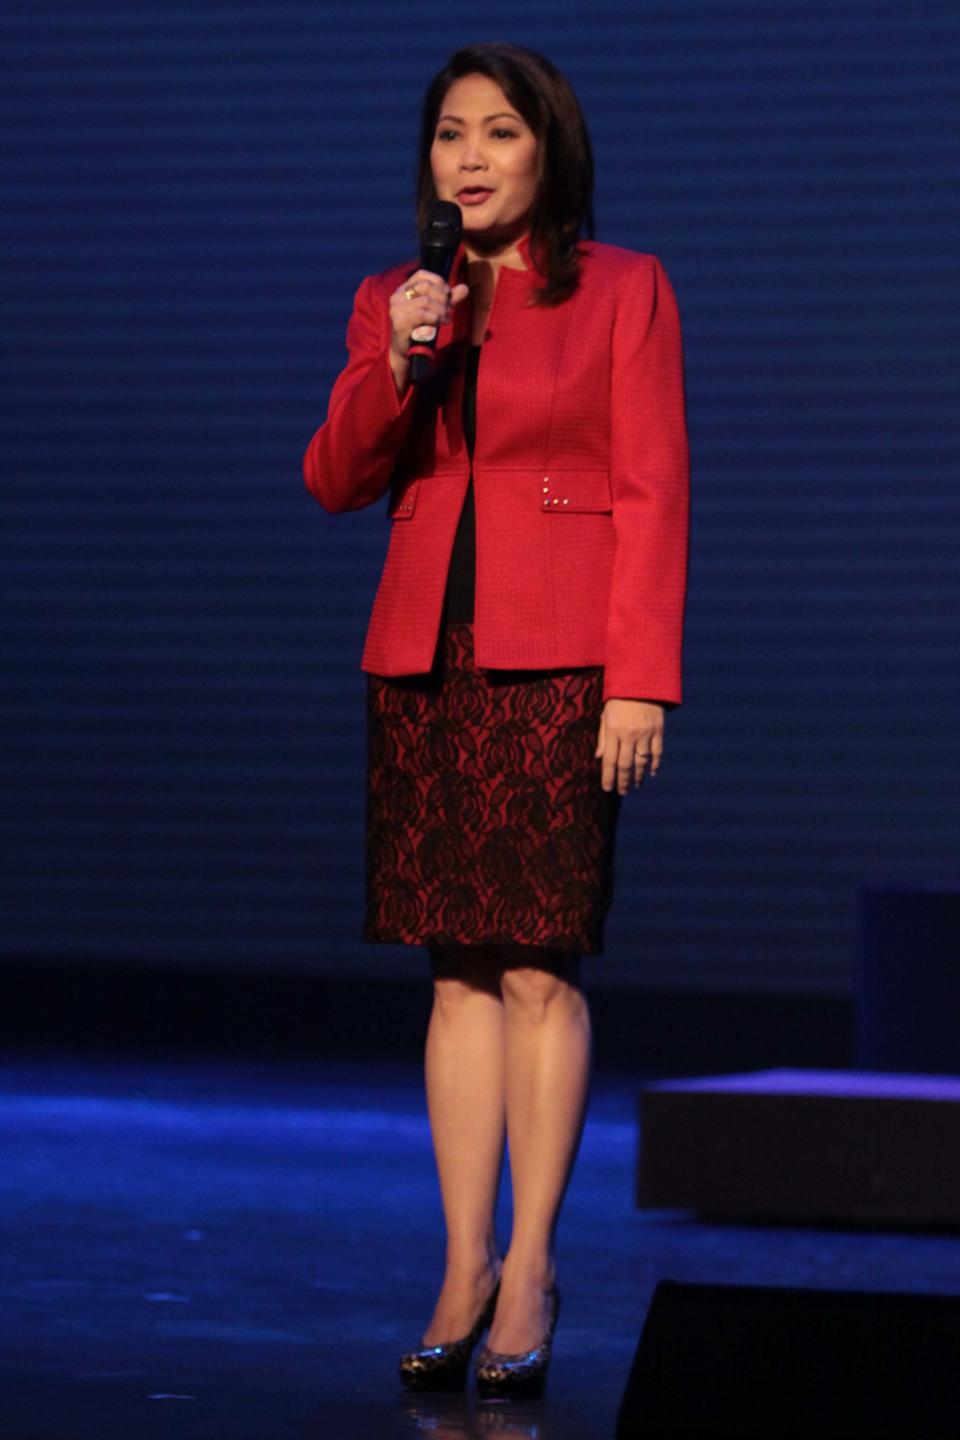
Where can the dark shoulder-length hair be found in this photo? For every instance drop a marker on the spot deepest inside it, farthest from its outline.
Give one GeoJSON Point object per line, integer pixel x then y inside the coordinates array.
{"type": "Point", "coordinates": [545, 98]}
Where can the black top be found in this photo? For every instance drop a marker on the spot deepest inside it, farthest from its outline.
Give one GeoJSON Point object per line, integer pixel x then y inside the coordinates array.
{"type": "Point", "coordinates": [458, 600]}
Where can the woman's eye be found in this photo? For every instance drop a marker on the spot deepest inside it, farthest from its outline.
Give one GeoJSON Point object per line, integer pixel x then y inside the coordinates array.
{"type": "Point", "coordinates": [500, 133]}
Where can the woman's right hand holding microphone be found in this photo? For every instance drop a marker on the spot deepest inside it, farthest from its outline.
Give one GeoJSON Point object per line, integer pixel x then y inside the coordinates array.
{"type": "Point", "coordinates": [417, 308]}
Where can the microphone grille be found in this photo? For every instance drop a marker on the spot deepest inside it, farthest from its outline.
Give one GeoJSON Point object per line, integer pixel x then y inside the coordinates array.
{"type": "Point", "coordinates": [444, 223]}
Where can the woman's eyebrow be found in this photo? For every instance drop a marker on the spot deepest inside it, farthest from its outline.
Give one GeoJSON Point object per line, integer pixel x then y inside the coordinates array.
{"type": "Point", "coordinates": [499, 116]}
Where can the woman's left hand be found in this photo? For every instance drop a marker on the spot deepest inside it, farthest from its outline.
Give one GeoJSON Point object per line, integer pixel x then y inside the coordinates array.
{"type": "Point", "coordinates": [630, 739]}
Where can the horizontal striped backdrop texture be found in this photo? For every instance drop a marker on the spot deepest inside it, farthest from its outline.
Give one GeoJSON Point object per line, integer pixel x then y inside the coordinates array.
{"type": "Point", "coordinates": [192, 194]}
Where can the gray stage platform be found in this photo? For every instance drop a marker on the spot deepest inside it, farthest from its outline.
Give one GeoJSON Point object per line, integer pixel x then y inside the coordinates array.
{"type": "Point", "coordinates": [803, 1144]}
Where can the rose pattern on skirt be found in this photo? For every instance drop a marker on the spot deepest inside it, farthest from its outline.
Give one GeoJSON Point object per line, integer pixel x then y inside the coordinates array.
{"type": "Point", "coordinates": [486, 819]}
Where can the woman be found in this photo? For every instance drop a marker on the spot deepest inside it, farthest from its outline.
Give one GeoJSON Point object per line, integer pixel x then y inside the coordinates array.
{"type": "Point", "coordinates": [524, 644]}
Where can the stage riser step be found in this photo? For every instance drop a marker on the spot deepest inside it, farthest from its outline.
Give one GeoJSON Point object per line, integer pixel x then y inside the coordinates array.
{"type": "Point", "coordinates": [803, 1145]}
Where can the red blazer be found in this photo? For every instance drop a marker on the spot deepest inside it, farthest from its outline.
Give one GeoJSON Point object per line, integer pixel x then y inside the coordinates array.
{"type": "Point", "coordinates": [581, 475]}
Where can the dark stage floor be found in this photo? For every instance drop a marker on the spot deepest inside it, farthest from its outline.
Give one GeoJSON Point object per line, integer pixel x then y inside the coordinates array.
{"type": "Point", "coordinates": [225, 1250]}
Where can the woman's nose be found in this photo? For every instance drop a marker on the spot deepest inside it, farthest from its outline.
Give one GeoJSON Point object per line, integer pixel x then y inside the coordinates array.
{"type": "Point", "coordinates": [472, 157]}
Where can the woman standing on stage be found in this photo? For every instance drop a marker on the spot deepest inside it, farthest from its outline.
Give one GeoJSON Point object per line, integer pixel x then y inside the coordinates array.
{"type": "Point", "coordinates": [524, 645]}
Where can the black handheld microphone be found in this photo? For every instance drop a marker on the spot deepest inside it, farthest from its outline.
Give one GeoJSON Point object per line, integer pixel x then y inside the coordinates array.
{"type": "Point", "coordinates": [439, 242]}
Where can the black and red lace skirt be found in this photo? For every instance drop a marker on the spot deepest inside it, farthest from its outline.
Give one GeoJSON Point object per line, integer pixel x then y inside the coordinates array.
{"type": "Point", "coordinates": [486, 819]}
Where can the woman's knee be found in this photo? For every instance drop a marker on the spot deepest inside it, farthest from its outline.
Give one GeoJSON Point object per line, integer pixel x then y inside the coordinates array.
{"type": "Point", "coordinates": [461, 971]}
{"type": "Point", "coordinates": [541, 980]}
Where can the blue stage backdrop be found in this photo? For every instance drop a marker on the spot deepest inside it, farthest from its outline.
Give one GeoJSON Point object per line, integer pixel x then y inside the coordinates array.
{"type": "Point", "coordinates": [192, 194]}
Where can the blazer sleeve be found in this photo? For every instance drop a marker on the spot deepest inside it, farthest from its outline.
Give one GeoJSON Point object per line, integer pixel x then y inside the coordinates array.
{"type": "Point", "coordinates": [350, 459]}
{"type": "Point", "coordinates": [650, 486]}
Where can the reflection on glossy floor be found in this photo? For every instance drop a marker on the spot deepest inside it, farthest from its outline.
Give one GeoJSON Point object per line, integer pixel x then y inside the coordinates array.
{"type": "Point", "coordinates": [203, 1249]}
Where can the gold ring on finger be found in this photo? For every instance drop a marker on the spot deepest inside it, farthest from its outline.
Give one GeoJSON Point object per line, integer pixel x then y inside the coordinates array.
{"type": "Point", "coordinates": [411, 292]}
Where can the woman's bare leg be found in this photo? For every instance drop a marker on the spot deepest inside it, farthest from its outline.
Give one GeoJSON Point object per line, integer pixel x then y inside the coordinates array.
{"type": "Point", "coordinates": [548, 1058]}
{"type": "Point", "coordinates": [464, 1070]}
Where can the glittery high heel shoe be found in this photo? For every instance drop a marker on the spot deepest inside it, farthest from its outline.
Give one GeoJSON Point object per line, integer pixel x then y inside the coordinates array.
{"type": "Point", "coordinates": [522, 1376]}
{"type": "Point", "coordinates": [444, 1367]}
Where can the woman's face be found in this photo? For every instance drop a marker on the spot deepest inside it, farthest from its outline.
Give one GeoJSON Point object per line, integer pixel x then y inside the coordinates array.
{"type": "Point", "coordinates": [484, 158]}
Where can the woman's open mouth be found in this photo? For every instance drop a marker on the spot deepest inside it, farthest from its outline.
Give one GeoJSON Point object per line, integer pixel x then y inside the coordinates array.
{"type": "Point", "coordinates": [473, 195]}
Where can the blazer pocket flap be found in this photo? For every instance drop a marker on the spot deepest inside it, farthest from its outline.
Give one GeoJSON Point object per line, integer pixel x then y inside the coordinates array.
{"type": "Point", "coordinates": [403, 500]}
{"type": "Point", "coordinates": [563, 491]}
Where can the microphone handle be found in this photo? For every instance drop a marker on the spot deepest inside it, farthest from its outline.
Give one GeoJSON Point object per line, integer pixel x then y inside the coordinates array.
{"type": "Point", "coordinates": [421, 365]}
{"type": "Point", "coordinates": [439, 260]}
